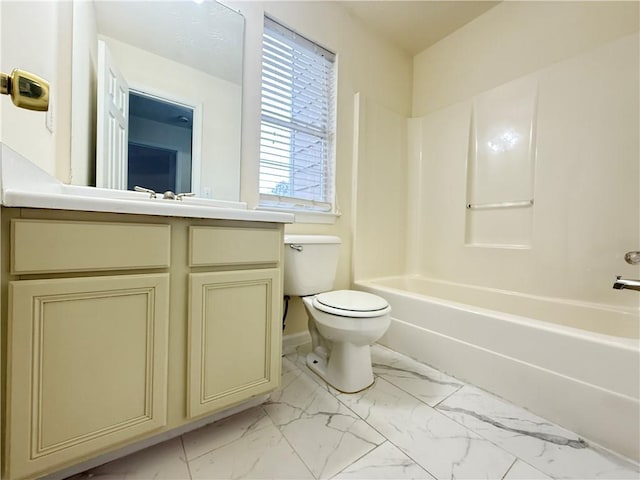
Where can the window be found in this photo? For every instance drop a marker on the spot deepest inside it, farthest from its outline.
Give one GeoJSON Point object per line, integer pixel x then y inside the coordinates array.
{"type": "Point", "coordinates": [298, 125]}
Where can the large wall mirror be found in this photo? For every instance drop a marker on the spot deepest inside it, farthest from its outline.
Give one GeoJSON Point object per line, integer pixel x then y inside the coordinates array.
{"type": "Point", "coordinates": [157, 96]}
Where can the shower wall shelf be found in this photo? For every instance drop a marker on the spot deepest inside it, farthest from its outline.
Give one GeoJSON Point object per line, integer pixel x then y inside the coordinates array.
{"type": "Point", "coordinates": [485, 206]}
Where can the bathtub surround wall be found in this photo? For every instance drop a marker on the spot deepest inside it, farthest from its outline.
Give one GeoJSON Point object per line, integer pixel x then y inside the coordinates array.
{"type": "Point", "coordinates": [581, 62]}
{"type": "Point", "coordinates": [582, 59]}
{"type": "Point", "coordinates": [571, 242]}
{"type": "Point", "coordinates": [501, 166]}
{"type": "Point", "coordinates": [380, 150]}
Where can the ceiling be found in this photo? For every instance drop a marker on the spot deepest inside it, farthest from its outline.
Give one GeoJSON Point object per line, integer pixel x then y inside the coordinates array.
{"type": "Point", "coordinates": [206, 36]}
{"type": "Point", "coordinates": [416, 25]}
{"type": "Point", "coordinates": [173, 28]}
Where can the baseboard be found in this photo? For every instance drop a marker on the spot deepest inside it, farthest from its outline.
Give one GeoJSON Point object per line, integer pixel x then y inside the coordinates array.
{"type": "Point", "coordinates": [291, 342]}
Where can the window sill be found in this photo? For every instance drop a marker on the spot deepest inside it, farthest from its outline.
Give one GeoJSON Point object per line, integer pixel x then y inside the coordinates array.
{"type": "Point", "coordinates": [307, 216]}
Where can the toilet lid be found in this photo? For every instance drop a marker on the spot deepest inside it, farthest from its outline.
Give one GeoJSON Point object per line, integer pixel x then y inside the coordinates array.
{"type": "Point", "coordinates": [351, 303]}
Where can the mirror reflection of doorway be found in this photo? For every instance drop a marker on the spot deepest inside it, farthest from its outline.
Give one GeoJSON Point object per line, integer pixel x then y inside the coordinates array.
{"type": "Point", "coordinates": [160, 144]}
{"type": "Point", "coordinates": [152, 166]}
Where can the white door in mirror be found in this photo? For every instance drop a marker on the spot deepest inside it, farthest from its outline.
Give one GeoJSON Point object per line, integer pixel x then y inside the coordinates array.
{"type": "Point", "coordinates": [112, 136]}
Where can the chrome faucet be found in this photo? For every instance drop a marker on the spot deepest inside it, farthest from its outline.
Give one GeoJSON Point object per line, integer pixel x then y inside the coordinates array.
{"type": "Point", "coordinates": [632, 258]}
{"type": "Point", "coordinates": [151, 193]}
{"type": "Point", "coordinates": [622, 283]}
{"type": "Point", "coordinates": [168, 195]}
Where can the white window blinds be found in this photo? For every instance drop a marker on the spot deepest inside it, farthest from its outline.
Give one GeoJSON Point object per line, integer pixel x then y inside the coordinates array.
{"type": "Point", "coordinates": [297, 130]}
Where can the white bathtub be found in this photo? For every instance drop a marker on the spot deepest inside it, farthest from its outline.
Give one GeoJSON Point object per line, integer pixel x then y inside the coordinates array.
{"type": "Point", "coordinates": [576, 364]}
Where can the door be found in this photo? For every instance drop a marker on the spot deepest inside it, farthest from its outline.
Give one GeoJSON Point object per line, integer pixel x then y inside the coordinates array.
{"type": "Point", "coordinates": [234, 337]}
{"type": "Point", "coordinates": [112, 134]}
{"type": "Point", "coordinates": [87, 366]}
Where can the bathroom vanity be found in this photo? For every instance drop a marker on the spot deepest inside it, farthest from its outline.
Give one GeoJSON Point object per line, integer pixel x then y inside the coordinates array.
{"type": "Point", "coordinates": [118, 327]}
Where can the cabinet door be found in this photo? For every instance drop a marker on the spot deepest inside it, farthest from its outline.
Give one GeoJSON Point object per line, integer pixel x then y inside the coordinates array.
{"type": "Point", "coordinates": [87, 367]}
{"type": "Point", "coordinates": [234, 337]}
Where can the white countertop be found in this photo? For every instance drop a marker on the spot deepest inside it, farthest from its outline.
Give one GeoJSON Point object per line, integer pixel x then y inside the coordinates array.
{"type": "Point", "coordinates": [23, 184]}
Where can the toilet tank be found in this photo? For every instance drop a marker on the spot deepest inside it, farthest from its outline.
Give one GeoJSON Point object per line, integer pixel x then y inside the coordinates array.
{"type": "Point", "coordinates": [310, 263]}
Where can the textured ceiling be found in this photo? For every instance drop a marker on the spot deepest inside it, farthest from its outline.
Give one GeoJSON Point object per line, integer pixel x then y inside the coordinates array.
{"type": "Point", "coordinates": [209, 36]}
{"type": "Point", "coordinates": [205, 36]}
{"type": "Point", "coordinates": [416, 25]}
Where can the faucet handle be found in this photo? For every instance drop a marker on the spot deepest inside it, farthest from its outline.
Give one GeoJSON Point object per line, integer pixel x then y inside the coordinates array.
{"type": "Point", "coordinates": [145, 190]}
{"type": "Point", "coordinates": [180, 196]}
{"type": "Point", "coordinates": [632, 258]}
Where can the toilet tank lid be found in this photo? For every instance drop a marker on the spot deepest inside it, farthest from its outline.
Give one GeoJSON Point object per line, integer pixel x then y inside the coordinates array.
{"type": "Point", "coordinates": [311, 239]}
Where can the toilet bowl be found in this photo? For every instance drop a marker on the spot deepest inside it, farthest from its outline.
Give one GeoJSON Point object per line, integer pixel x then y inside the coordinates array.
{"type": "Point", "coordinates": [343, 324]}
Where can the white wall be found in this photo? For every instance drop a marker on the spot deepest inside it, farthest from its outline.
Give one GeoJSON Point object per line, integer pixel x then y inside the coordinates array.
{"type": "Point", "coordinates": [1, 101]}
{"type": "Point", "coordinates": [380, 191]}
{"type": "Point", "coordinates": [41, 45]}
{"type": "Point", "coordinates": [584, 58]}
{"type": "Point", "coordinates": [512, 40]}
{"type": "Point", "coordinates": [366, 63]}
{"type": "Point", "coordinates": [84, 81]}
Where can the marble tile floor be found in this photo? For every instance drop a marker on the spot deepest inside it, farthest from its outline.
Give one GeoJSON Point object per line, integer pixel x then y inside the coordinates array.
{"type": "Point", "coordinates": [413, 423]}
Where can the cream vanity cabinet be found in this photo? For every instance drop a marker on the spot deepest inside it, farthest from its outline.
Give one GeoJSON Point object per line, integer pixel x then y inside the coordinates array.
{"type": "Point", "coordinates": [121, 327]}
{"type": "Point", "coordinates": [233, 315]}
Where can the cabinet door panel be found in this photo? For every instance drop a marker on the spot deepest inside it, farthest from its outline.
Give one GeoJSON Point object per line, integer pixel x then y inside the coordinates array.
{"type": "Point", "coordinates": [234, 337]}
{"type": "Point", "coordinates": [87, 366]}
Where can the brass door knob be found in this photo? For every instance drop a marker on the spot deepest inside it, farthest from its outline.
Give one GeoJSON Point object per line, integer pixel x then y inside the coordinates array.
{"type": "Point", "coordinates": [26, 90]}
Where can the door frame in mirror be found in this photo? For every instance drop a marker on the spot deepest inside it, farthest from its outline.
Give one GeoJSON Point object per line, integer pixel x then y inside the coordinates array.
{"type": "Point", "coordinates": [196, 129]}
{"type": "Point", "coordinates": [220, 170]}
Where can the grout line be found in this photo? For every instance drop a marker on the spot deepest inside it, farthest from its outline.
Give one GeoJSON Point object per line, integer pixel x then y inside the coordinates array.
{"type": "Point", "coordinates": [397, 446]}
{"type": "Point", "coordinates": [377, 377]}
{"type": "Point", "coordinates": [295, 451]}
{"type": "Point", "coordinates": [509, 469]}
{"type": "Point", "coordinates": [363, 455]}
{"type": "Point", "coordinates": [186, 459]}
{"type": "Point", "coordinates": [216, 422]}
{"type": "Point", "coordinates": [435, 412]}
{"type": "Point", "coordinates": [447, 397]}
{"type": "Point", "coordinates": [280, 431]}
{"type": "Point", "coordinates": [289, 443]}
{"type": "Point", "coordinates": [438, 412]}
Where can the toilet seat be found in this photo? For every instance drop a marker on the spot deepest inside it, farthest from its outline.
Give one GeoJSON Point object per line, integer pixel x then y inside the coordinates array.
{"type": "Point", "coordinates": [351, 303]}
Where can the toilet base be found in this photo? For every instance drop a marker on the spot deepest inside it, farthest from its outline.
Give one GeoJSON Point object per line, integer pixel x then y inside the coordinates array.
{"type": "Point", "coordinates": [347, 368]}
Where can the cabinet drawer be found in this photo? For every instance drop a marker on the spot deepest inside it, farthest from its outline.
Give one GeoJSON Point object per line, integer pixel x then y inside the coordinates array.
{"type": "Point", "coordinates": [228, 246]}
{"type": "Point", "coordinates": [45, 246]}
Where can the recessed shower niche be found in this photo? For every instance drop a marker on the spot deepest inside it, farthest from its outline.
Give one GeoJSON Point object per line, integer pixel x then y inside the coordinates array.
{"type": "Point", "coordinates": [501, 165]}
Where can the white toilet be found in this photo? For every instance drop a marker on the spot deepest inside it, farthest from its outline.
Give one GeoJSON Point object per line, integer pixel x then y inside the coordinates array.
{"type": "Point", "coordinates": [342, 323]}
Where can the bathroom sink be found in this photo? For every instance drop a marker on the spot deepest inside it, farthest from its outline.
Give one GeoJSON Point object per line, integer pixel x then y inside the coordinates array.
{"type": "Point", "coordinates": [184, 201]}
{"type": "Point", "coordinates": [26, 185]}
